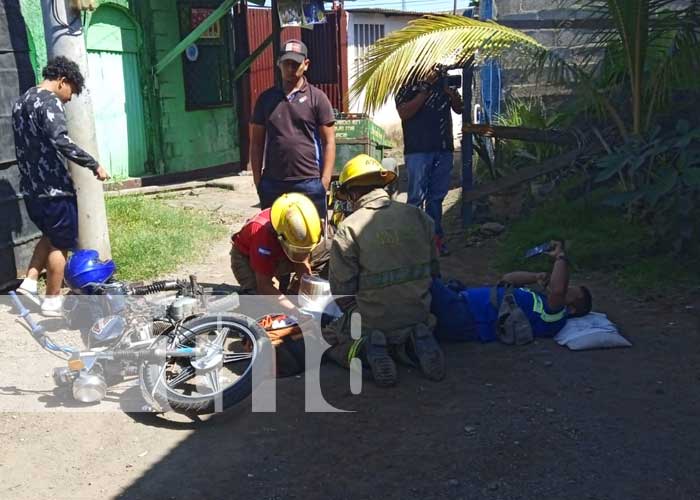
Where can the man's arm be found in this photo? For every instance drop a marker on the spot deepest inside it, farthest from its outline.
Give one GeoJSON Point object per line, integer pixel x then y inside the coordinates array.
{"type": "Point", "coordinates": [456, 102]}
{"type": "Point", "coordinates": [343, 272]}
{"type": "Point", "coordinates": [265, 286]}
{"type": "Point", "coordinates": [257, 150]}
{"type": "Point", "coordinates": [302, 268]}
{"type": "Point", "coordinates": [57, 131]}
{"type": "Point", "coordinates": [408, 109]}
{"type": "Point", "coordinates": [522, 278]}
{"type": "Point", "coordinates": [344, 268]}
{"type": "Point", "coordinates": [327, 133]}
{"type": "Point", "coordinates": [559, 278]}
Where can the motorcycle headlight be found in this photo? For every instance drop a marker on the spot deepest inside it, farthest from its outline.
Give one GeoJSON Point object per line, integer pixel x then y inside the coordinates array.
{"type": "Point", "coordinates": [89, 388]}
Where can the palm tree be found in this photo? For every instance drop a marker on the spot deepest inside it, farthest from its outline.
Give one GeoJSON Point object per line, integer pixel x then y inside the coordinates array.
{"type": "Point", "coordinates": [649, 48]}
{"type": "Point", "coordinates": [413, 51]}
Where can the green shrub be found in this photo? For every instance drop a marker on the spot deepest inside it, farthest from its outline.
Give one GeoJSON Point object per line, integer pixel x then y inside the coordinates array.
{"type": "Point", "coordinates": [598, 238]}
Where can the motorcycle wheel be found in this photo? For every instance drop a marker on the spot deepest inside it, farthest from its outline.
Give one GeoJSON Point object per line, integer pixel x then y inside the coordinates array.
{"type": "Point", "coordinates": [210, 383]}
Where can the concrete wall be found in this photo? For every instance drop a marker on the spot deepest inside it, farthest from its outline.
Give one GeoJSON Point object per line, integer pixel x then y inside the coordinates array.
{"type": "Point", "coordinates": [546, 18]}
{"type": "Point", "coordinates": [18, 234]}
{"type": "Point", "coordinates": [191, 139]}
{"type": "Point", "coordinates": [386, 117]}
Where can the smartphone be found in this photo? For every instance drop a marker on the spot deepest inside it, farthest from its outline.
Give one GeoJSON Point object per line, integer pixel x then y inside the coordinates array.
{"type": "Point", "coordinates": [539, 250]}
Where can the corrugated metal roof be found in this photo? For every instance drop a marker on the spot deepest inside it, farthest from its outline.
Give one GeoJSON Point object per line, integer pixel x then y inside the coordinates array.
{"type": "Point", "coordinates": [322, 42]}
{"type": "Point", "coordinates": [386, 12]}
{"type": "Point", "coordinates": [262, 71]}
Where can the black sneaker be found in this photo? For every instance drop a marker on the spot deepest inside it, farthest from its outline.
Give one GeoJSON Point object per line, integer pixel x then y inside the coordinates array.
{"type": "Point", "coordinates": [428, 353]}
{"type": "Point", "coordinates": [380, 363]}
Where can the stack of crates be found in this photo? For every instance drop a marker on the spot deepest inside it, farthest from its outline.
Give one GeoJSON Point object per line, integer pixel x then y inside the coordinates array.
{"type": "Point", "coordinates": [356, 134]}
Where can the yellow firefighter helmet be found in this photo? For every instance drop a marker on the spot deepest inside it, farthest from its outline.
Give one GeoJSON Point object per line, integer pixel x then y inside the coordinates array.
{"type": "Point", "coordinates": [297, 224]}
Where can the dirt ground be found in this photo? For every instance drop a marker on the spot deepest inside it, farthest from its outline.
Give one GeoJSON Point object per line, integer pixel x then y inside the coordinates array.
{"type": "Point", "coordinates": [534, 422]}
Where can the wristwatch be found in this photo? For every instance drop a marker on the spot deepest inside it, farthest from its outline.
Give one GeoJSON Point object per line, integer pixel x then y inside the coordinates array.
{"type": "Point", "coordinates": [563, 257]}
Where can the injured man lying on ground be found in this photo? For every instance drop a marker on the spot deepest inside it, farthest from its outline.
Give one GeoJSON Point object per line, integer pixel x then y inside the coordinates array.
{"type": "Point", "coordinates": [524, 305]}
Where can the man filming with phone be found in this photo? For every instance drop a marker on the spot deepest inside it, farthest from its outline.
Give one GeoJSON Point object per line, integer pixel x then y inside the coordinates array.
{"type": "Point", "coordinates": [425, 108]}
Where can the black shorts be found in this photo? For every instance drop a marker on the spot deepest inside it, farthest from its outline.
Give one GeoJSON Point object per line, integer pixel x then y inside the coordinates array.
{"type": "Point", "coordinates": [56, 218]}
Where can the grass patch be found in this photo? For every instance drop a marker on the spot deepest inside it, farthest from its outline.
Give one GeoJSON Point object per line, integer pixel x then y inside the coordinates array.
{"type": "Point", "coordinates": [660, 273]}
{"type": "Point", "coordinates": [150, 238]}
{"type": "Point", "coordinates": [598, 239]}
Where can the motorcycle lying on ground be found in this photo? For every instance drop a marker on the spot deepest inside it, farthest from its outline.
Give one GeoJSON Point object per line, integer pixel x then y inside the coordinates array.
{"type": "Point", "coordinates": [189, 353]}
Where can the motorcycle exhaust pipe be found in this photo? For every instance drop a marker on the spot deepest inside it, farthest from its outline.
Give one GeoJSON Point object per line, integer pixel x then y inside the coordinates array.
{"type": "Point", "coordinates": [155, 354]}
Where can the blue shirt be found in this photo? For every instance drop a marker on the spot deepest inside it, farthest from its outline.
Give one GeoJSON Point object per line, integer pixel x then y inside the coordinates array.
{"type": "Point", "coordinates": [545, 322]}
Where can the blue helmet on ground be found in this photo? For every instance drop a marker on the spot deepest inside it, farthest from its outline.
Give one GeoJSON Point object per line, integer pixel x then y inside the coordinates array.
{"type": "Point", "coordinates": [84, 268]}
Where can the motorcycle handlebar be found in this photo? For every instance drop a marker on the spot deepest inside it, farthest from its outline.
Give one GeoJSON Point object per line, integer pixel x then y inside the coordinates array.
{"type": "Point", "coordinates": [37, 330]}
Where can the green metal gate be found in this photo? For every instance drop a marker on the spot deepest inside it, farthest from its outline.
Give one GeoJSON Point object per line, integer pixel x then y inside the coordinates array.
{"type": "Point", "coordinates": [118, 107]}
{"type": "Point", "coordinates": [115, 87]}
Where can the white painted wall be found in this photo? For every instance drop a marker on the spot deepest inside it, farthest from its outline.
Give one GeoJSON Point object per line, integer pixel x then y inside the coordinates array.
{"type": "Point", "coordinates": [386, 116]}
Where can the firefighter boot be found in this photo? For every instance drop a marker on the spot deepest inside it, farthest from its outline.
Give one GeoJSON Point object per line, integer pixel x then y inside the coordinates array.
{"type": "Point", "coordinates": [380, 363]}
{"type": "Point", "coordinates": [428, 354]}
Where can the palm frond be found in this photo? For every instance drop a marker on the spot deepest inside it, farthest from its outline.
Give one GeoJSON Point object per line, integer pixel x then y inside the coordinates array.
{"type": "Point", "coordinates": [649, 45]}
{"type": "Point", "coordinates": [674, 62]}
{"type": "Point", "coordinates": [558, 69]}
{"type": "Point", "coordinates": [414, 50]}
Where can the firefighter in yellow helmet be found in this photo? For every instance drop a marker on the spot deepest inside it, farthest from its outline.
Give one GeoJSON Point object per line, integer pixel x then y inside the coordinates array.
{"type": "Point", "coordinates": [275, 243]}
{"type": "Point", "coordinates": [383, 260]}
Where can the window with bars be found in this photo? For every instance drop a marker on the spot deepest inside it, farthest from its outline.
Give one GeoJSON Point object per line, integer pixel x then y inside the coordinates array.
{"type": "Point", "coordinates": [206, 65]}
{"type": "Point", "coordinates": [365, 36]}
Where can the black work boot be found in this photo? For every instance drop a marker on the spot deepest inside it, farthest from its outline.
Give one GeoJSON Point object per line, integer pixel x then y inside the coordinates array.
{"type": "Point", "coordinates": [428, 353]}
{"type": "Point", "coordinates": [380, 363]}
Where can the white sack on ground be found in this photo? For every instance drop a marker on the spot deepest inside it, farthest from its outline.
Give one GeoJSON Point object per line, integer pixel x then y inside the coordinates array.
{"type": "Point", "coordinates": [593, 331]}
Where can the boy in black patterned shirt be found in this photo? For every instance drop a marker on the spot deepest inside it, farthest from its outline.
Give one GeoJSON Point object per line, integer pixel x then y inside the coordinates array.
{"type": "Point", "coordinates": [42, 145]}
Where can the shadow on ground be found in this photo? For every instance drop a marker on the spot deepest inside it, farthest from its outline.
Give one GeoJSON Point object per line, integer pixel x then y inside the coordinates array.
{"type": "Point", "coordinates": [508, 423]}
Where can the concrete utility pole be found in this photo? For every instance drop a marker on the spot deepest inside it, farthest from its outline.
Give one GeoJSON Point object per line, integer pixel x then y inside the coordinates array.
{"type": "Point", "coordinates": [64, 37]}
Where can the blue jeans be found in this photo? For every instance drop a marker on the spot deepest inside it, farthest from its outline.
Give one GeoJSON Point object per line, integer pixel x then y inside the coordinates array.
{"type": "Point", "coordinates": [271, 189]}
{"type": "Point", "coordinates": [428, 182]}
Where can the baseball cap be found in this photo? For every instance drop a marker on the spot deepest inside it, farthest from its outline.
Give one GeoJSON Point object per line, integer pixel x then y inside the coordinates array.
{"type": "Point", "coordinates": [294, 50]}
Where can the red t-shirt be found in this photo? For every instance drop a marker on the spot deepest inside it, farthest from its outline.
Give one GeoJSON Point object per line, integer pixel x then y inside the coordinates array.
{"type": "Point", "coordinates": [258, 240]}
